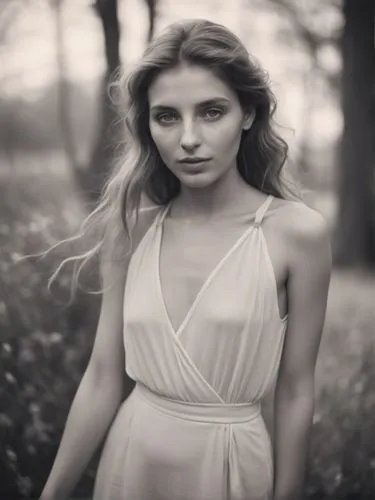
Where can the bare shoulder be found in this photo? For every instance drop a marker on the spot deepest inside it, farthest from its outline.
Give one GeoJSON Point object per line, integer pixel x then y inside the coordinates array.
{"type": "Point", "coordinates": [300, 222]}
{"type": "Point", "coordinates": [304, 231]}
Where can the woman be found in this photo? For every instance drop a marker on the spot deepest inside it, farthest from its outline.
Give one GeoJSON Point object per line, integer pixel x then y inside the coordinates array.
{"type": "Point", "coordinates": [221, 297]}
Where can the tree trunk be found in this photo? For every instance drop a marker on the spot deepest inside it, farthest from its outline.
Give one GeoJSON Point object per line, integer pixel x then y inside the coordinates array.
{"type": "Point", "coordinates": [151, 4]}
{"type": "Point", "coordinates": [102, 153]}
{"type": "Point", "coordinates": [63, 91]}
{"type": "Point", "coordinates": [355, 242]}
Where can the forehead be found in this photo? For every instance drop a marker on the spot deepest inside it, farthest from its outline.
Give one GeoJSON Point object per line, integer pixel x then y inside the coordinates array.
{"type": "Point", "coordinates": [187, 85]}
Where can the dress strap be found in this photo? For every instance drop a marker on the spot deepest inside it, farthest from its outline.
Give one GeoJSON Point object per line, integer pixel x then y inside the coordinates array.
{"type": "Point", "coordinates": [260, 213]}
{"type": "Point", "coordinates": [163, 213]}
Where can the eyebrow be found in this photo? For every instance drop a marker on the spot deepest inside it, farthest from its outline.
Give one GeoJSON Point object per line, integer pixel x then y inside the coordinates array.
{"type": "Point", "coordinates": [207, 102]}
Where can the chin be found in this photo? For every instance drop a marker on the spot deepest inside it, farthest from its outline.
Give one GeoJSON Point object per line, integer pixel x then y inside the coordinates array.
{"type": "Point", "coordinates": [197, 181]}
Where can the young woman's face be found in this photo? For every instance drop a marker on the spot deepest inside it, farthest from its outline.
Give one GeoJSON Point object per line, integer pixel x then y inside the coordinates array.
{"type": "Point", "coordinates": [196, 122]}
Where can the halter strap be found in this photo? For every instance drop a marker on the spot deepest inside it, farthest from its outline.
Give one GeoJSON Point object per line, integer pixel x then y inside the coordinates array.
{"type": "Point", "coordinates": [163, 213]}
{"type": "Point", "coordinates": [260, 213]}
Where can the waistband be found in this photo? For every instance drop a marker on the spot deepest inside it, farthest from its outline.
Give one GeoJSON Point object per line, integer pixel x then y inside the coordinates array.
{"type": "Point", "coordinates": [200, 412]}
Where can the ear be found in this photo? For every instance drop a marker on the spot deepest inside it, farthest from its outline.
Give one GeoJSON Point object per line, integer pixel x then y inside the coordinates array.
{"type": "Point", "coordinates": [248, 119]}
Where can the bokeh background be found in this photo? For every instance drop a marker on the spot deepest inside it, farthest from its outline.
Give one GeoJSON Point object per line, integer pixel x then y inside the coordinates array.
{"type": "Point", "coordinates": [56, 144]}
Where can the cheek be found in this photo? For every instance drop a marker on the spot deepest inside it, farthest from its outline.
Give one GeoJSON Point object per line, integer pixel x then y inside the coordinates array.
{"type": "Point", "coordinates": [165, 141]}
{"type": "Point", "coordinates": [226, 138]}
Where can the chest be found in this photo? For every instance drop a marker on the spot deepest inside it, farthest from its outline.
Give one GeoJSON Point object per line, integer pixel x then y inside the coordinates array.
{"type": "Point", "coordinates": [190, 260]}
{"type": "Point", "coordinates": [192, 253]}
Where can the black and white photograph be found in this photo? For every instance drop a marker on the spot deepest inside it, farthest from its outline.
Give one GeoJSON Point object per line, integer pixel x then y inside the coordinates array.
{"type": "Point", "coordinates": [187, 249]}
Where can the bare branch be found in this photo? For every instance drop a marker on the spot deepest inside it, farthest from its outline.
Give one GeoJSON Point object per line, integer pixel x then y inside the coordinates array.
{"type": "Point", "coordinates": [8, 11]}
{"type": "Point", "coordinates": [312, 40]}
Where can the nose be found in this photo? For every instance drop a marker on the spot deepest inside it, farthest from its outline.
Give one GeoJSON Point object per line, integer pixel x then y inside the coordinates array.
{"type": "Point", "coordinates": [189, 137]}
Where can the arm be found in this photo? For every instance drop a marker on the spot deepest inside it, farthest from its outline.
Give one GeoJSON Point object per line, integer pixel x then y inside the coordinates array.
{"type": "Point", "coordinates": [307, 288]}
{"type": "Point", "coordinates": [99, 393]}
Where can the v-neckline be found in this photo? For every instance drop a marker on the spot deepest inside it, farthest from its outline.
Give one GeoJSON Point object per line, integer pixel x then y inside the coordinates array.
{"type": "Point", "coordinates": [160, 229]}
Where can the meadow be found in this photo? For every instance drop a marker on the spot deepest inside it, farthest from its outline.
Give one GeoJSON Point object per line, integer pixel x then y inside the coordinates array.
{"type": "Point", "coordinates": [45, 344]}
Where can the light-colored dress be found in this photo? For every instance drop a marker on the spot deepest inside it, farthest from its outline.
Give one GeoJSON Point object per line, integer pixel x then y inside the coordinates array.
{"type": "Point", "coordinates": [192, 429]}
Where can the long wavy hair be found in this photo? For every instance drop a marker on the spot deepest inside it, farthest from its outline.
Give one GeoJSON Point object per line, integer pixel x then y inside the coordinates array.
{"type": "Point", "coordinates": [141, 174]}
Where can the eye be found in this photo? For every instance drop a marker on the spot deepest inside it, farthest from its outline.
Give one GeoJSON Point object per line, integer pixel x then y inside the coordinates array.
{"type": "Point", "coordinates": [166, 117]}
{"type": "Point", "coordinates": [213, 113]}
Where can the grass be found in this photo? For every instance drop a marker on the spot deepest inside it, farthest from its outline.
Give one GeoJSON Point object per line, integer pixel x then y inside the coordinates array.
{"type": "Point", "coordinates": [44, 348]}
{"type": "Point", "coordinates": [343, 444]}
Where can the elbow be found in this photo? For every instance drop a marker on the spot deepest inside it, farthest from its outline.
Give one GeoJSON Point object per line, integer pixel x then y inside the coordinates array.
{"type": "Point", "coordinates": [295, 406]}
{"type": "Point", "coordinates": [293, 389]}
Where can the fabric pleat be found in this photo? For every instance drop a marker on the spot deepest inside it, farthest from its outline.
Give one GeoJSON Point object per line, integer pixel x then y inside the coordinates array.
{"type": "Point", "coordinates": [192, 428]}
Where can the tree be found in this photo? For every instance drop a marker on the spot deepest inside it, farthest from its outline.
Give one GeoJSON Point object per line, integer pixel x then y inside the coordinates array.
{"type": "Point", "coordinates": [102, 155]}
{"type": "Point", "coordinates": [356, 228]}
{"type": "Point", "coordinates": [107, 11]}
{"type": "Point", "coordinates": [9, 10]}
{"type": "Point", "coordinates": [63, 100]}
{"type": "Point", "coordinates": [355, 232]}
{"type": "Point", "coordinates": [151, 4]}
{"type": "Point", "coordinates": [90, 177]}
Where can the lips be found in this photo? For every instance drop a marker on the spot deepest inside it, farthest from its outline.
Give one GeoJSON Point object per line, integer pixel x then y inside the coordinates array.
{"type": "Point", "coordinates": [193, 160]}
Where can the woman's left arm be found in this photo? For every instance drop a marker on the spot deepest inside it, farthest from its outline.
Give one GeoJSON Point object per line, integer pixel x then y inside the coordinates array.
{"type": "Point", "coordinates": [309, 273]}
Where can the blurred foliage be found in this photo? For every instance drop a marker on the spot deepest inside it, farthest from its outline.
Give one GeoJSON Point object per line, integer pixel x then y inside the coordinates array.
{"type": "Point", "coordinates": [45, 344]}
{"type": "Point", "coordinates": [45, 347]}
{"type": "Point", "coordinates": [33, 125]}
{"type": "Point", "coordinates": [343, 441]}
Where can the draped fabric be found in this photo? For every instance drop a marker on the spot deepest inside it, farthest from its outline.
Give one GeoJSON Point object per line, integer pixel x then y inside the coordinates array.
{"type": "Point", "coordinates": [192, 428]}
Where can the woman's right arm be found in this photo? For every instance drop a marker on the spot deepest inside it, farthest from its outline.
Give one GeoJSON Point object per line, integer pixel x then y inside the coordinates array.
{"type": "Point", "coordinates": [99, 393]}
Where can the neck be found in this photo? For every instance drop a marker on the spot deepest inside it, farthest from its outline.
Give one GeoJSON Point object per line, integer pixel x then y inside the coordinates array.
{"type": "Point", "coordinates": [221, 198]}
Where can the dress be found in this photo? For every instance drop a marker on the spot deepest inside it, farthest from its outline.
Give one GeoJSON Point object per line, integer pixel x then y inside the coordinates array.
{"type": "Point", "coordinates": [192, 429]}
